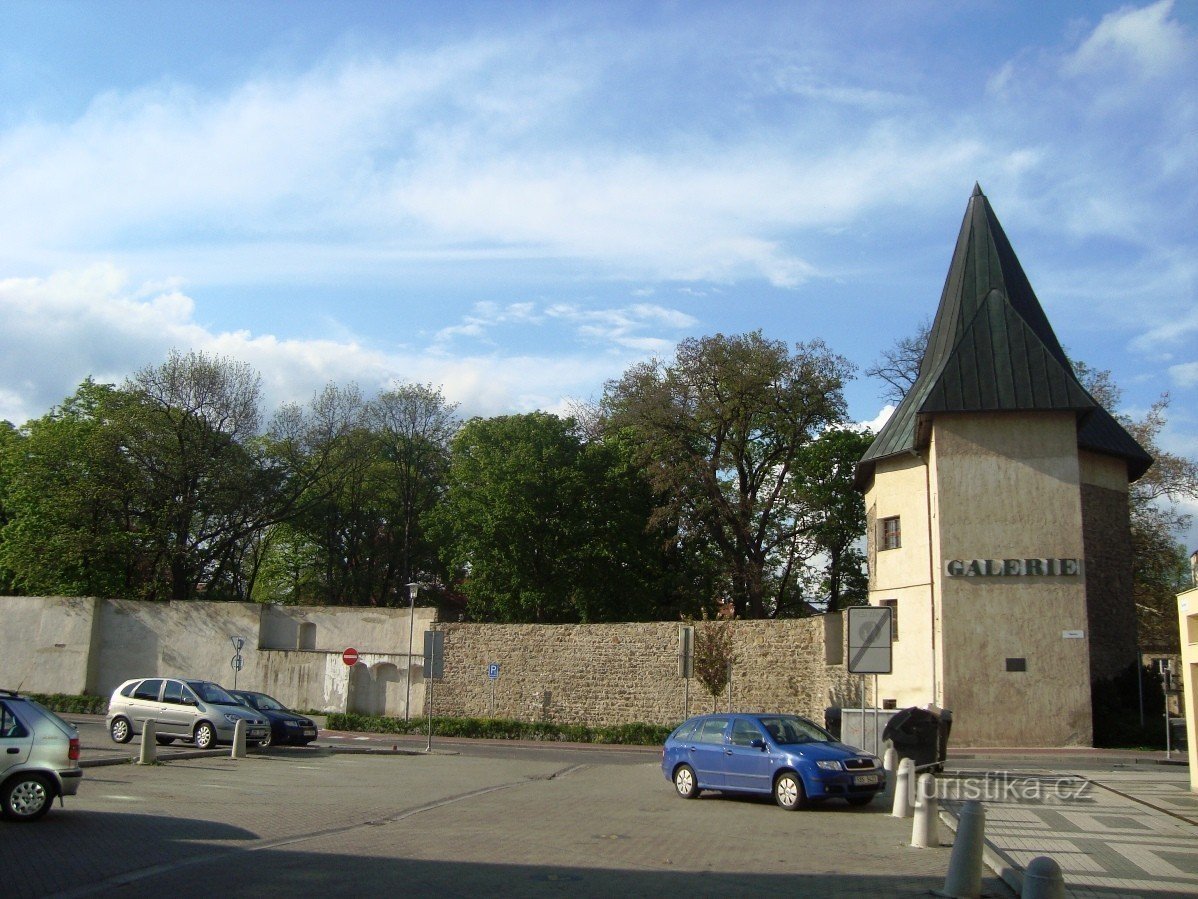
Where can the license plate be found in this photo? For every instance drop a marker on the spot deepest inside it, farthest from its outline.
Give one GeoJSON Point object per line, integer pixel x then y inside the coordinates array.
{"type": "Point", "coordinates": [309, 731]}
{"type": "Point", "coordinates": [865, 780]}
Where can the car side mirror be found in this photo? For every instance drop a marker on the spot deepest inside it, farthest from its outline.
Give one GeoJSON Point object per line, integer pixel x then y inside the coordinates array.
{"type": "Point", "coordinates": [758, 743]}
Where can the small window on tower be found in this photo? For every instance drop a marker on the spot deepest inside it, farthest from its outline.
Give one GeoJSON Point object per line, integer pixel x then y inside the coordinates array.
{"type": "Point", "coordinates": [891, 533]}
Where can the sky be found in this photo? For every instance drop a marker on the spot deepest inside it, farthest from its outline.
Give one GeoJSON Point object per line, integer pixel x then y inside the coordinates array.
{"type": "Point", "coordinates": [516, 201]}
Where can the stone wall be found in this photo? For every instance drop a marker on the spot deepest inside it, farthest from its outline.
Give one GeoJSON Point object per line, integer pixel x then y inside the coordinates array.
{"type": "Point", "coordinates": [605, 674]}
{"type": "Point", "coordinates": [598, 674]}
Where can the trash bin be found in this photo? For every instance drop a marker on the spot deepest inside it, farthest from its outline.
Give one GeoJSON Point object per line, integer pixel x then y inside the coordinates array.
{"type": "Point", "coordinates": [1178, 739]}
{"type": "Point", "coordinates": [832, 720]}
{"type": "Point", "coordinates": [920, 735]}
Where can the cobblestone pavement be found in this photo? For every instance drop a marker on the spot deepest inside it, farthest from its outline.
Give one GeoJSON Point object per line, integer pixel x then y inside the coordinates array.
{"type": "Point", "coordinates": [1125, 830]}
{"type": "Point", "coordinates": [335, 824]}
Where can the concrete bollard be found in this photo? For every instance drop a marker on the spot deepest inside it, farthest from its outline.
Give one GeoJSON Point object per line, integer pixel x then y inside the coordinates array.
{"type": "Point", "coordinates": [964, 878]}
{"type": "Point", "coordinates": [1043, 879]}
{"type": "Point", "coordinates": [239, 739]}
{"type": "Point", "coordinates": [890, 760]}
{"type": "Point", "coordinates": [924, 832]}
{"type": "Point", "coordinates": [902, 789]}
{"type": "Point", "coordinates": [149, 743]}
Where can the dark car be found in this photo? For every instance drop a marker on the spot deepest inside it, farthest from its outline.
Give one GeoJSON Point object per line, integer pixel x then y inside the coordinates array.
{"type": "Point", "coordinates": [786, 756]}
{"type": "Point", "coordinates": [285, 725]}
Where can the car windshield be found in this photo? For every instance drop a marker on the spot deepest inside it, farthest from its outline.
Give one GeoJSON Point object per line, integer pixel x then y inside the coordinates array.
{"type": "Point", "coordinates": [789, 729]}
{"type": "Point", "coordinates": [210, 692]}
{"type": "Point", "coordinates": [265, 703]}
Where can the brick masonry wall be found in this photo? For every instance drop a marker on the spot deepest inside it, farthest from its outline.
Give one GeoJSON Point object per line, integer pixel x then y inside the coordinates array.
{"type": "Point", "coordinates": [606, 674]}
{"type": "Point", "coordinates": [1110, 606]}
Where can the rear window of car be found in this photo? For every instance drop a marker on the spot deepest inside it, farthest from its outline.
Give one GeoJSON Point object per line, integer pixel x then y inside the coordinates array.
{"type": "Point", "coordinates": [685, 731]}
{"type": "Point", "coordinates": [69, 729]}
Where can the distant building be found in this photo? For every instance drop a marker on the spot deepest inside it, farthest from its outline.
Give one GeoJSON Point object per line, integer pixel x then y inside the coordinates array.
{"type": "Point", "coordinates": [998, 530]}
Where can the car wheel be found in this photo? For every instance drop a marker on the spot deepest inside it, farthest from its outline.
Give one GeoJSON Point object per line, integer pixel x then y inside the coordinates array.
{"type": "Point", "coordinates": [685, 782]}
{"type": "Point", "coordinates": [788, 791]}
{"type": "Point", "coordinates": [205, 735]}
{"type": "Point", "coordinates": [120, 730]}
{"type": "Point", "coordinates": [164, 741]}
{"type": "Point", "coordinates": [27, 797]}
{"type": "Point", "coordinates": [861, 800]}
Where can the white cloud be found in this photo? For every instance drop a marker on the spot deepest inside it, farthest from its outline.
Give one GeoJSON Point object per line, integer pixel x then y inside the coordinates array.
{"type": "Point", "coordinates": [72, 325]}
{"type": "Point", "coordinates": [1144, 42]}
{"type": "Point", "coordinates": [878, 421]}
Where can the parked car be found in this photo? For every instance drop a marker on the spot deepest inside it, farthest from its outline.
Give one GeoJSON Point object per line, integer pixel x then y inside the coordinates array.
{"type": "Point", "coordinates": [788, 756]}
{"type": "Point", "coordinates": [39, 758]}
{"type": "Point", "coordinates": [182, 709]}
{"type": "Point", "coordinates": [285, 725]}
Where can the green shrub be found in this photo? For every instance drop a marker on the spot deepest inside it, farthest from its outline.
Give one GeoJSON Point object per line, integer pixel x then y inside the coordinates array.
{"type": "Point", "coordinates": [505, 729]}
{"type": "Point", "coordinates": [76, 705]}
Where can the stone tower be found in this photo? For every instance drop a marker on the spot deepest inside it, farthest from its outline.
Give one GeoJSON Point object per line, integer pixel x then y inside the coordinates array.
{"type": "Point", "coordinates": [996, 499]}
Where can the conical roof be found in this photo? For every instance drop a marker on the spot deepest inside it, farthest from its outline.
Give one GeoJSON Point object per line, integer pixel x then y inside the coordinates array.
{"type": "Point", "coordinates": [991, 349]}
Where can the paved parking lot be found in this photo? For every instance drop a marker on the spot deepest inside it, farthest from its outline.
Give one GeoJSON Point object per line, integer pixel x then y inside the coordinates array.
{"type": "Point", "coordinates": [529, 823]}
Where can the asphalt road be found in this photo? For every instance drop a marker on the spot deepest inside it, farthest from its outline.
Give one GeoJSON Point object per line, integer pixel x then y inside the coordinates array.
{"type": "Point", "coordinates": [464, 820]}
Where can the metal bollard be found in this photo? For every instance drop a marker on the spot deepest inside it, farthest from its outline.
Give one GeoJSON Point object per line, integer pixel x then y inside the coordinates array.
{"type": "Point", "coordinates": [964, 878]}
{"type": "Point", "coordinates": [924, 832]}
{"type": "Point", "coordinates": [149, 743]}
{"type": "Point", "coordinates": [239, 739]}
{"type": "Point", "coordinates": [902, 789]}
{"type": "Point", "coordinates": [1043, 879]}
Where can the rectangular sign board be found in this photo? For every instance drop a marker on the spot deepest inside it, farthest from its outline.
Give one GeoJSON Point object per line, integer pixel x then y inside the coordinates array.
{"type": "Point", "coordinates": [434, 654]}
{"type": "Point", "coordinates": [869, 640]}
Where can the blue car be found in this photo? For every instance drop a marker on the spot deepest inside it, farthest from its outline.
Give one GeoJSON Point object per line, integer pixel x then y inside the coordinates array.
{"type": "Point", "coordinates": [786, 756]}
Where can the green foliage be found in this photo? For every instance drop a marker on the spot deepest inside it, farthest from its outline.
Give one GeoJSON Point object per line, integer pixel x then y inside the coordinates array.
{"type": "Point", "coordinates": [505, 729]}
{"type": "Point", "coordinates": [719, 431]}
{"type": "Point", "coordinates": [835, 522]}
{"type": "Point", "coordinates": [714, 655]}
{"type": "Point", "coordinates": [72, 704]}
{"type": "Point", "coordinates": [544, 527]}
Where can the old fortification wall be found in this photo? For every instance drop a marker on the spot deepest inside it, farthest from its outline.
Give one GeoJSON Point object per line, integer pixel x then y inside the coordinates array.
{"type": "Point", "coordinates": [602, 674]}
{"type": "Point", "coordinates": [587, 674]}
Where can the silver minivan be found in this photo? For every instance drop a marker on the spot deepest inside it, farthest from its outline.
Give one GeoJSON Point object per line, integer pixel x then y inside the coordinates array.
{"type": "Point", "coordinates": [182, 709]}
{"type": "Point", "coordinates": [39, 758]}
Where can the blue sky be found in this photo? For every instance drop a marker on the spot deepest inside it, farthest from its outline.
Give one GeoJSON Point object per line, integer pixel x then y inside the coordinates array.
{"type": "Point", "coordinates": [518, 200]}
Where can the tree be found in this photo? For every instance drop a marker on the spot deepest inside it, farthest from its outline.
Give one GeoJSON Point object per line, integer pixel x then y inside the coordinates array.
{"type": "Point", "coordinates": [718, 431]}
{"type": "Point", "coordinates": [898, 366]}
{"type": "Point", "coordinates": [835, 524]}
{"type": "Point", "coordinates": [714, 655]}
{"type": "Point", "coordinates": [414, 427]}
{"type": "Point", "coordinates": [67, 494]}
{"type": "Point", "coordinates": [204, 488]}
{"type": "Point", "coordinates": [543, 527]}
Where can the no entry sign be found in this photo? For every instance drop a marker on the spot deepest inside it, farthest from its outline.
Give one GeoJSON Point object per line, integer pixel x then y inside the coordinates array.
{"type": "Point", "coordinates": [350, 656]}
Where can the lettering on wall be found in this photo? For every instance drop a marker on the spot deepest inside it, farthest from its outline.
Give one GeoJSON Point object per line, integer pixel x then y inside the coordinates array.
{"type": "Point", "coordinates": [1013, 567]}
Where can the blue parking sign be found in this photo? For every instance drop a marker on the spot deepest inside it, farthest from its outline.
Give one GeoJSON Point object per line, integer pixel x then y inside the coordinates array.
{"type": "Point", "coordinates": [493, 671]}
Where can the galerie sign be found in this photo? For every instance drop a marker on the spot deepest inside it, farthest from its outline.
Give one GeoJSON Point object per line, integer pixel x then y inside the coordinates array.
{"type": "Point", "coordinates": [1013, 567]}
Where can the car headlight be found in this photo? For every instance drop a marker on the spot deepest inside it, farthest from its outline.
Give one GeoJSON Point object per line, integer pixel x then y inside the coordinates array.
{"type": "Point", "coordinates": [293, 724]}
{"type": "Point", "coordinates": [828, 764]}
{"type": "Point", "coordinates": [231, 718]}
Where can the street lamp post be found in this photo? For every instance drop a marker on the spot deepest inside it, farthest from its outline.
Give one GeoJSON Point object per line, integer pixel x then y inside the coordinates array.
{"type": "Point", "coordinates": [412, 591]}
